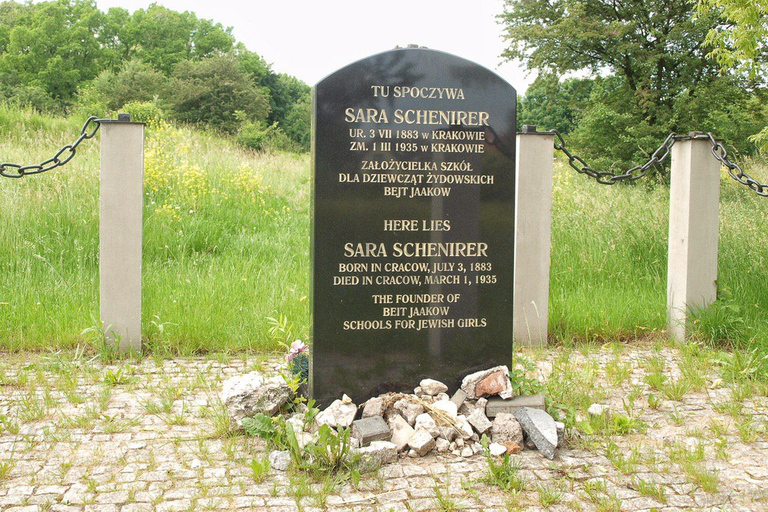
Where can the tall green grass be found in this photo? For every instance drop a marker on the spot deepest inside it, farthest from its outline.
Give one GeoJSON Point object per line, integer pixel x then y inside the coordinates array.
{"type": "Point", "coordinates": [226, 241]}
{"type": "Point", "coordinates": [609, 262]}
{"type": "Point", "coordinates": [227, 245]}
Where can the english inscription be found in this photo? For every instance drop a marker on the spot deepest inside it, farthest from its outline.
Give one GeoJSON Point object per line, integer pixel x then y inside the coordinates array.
{"type": "Point", "coordinates": [413, 223]}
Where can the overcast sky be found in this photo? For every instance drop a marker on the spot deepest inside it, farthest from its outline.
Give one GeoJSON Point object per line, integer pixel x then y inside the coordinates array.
{"type": "Point", "coordinates": [312, 38]}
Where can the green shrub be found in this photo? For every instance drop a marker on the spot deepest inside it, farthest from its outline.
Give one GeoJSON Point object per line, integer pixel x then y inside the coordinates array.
{"type": "Point", "coordinates": [143, 112]}
{"type": "Point", "coordinates": [134, 82]}
{"type": "Point", "coordinates": [258, 136]}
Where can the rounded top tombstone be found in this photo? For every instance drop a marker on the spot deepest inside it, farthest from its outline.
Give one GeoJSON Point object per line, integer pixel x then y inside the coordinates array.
{"type": "Point", "coordinates": [413, 223]}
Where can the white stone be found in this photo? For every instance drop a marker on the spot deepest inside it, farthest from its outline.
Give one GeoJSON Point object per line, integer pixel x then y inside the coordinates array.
{"type": "Point", "coordinates": [479, 421]}
{"type": "Point", "coordinates": [432, 387]}
{"type": "Point", "coordinates": [374, 407]}
{"type": "Point", "coordinates": [338, 414]}
{"type": "Point", "coordinates": [506, 428]}
{"type": "Point", "coordinates": [465, 429]}
{"type": "Point", "coordinates": [596, 410]}
{"type": "Point", "coordinates": [401, 431]}
{"type": "Point", "coordinates": [408, 409]}
{"type": "Point", "coordinates": [426, 422]}
{"type": "Point", "coordinates": [497, 449]}
{"type": "Point", "coordinates": [377, 454]}
{"type": "Point", "coordinates": [467, 452]}
{"type": "Point", "coordinates": [560, 426]}
{"type": "Point", "coordinates": [297, 422]}
{"type": "Point", "coordinates": [448, 432]}
{"type": "Point", "coordinates": [422, 442]}
{"type": "Point", "coordinates": [442, 445]}
{"type": "Point", "coordinates": [446, 407]}
{"type": "Point", "coordinates": [279, 459]}
{"type": "Point", "coordinates": [249, 394]}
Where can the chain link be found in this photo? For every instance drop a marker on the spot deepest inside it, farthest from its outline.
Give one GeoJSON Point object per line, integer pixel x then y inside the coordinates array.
{"type": "Point", "coordinates": [658, 156]}
{"type": "Point", "coordinates": [734, 170]}
{"type": "Point", "coordinates": [62, 156]}
{"type": "Point", "coordinates": [607, 177]}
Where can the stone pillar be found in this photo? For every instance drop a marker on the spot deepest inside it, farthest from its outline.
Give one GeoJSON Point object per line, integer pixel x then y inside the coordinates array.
{"type": "Point", "coordinates": [533, 225]}
{"type": "Point", "coordinates": [693, 231]}
{"type": "Point", "coordinates": [120, 230]}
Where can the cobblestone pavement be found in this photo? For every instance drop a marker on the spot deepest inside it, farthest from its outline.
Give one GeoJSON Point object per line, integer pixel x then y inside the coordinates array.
{"type": "Point", "coordinates": [77, 435]}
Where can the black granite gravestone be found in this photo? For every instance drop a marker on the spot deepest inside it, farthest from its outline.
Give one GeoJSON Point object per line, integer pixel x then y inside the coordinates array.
{"type": "Point", "coordinates": [413, 227]}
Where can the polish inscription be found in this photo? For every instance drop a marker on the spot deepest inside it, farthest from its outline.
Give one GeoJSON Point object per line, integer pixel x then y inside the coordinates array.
{"type": "Point", "coordinates": [413, 223]}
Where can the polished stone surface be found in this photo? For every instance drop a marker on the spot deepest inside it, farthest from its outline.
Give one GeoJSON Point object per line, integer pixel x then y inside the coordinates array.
{"type": "Point", "coordinates": [407, 144]}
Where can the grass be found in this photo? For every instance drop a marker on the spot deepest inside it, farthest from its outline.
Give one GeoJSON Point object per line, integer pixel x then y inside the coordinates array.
{"type": "Point", "coordinates": [226, 248]}
{"type": "Point", "coordinates": [226, 241]}
{"type": "Point", "coordinates": [503, 473]}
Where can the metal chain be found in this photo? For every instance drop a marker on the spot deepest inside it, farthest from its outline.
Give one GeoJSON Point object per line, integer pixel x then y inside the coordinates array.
{"type": "Point", "coordinates": [658, 156]}
{"type": "Point", "coordinates": [734, 170]}
{"type": "Point", "coordinates": [607, 177]}
{"type": "Point", "coordinates": [62, 156]}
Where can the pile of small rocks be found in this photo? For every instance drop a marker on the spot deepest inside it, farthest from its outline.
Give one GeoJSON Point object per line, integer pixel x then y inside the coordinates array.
{"type": "Point", "coordinates": [414, 424]}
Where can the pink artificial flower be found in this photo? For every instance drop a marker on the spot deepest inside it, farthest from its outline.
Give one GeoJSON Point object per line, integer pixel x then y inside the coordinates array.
{"type": "Point", "coordinates": [297, 347]}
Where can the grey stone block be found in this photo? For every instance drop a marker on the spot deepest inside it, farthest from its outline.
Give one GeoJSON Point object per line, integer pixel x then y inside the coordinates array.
{"type": "Point", "coordinates": [458, 398]}
{"type": "Point", "coordinates": [541, 429]}
{"type": "Point", "coordinates": [370, 429]}
{"type": "Point", "coordinates": [498, 405]}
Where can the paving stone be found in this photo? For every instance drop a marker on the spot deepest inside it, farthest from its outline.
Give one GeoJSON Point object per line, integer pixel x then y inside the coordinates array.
{"type": "Point", "coordinates": [496, 404]}
{"type": "Point", "coordinates": [370, 429]}
{"type": "Point", "coordinates": [161, 466]}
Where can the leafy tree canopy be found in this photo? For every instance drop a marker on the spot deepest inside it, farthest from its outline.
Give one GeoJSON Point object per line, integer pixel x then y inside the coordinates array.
{"type": "Point", "coordinates": [742, 41]}
{"type": "Point", "coordinates": [68, 53]}
{"type": "Point", "coordinates": [654, 73]}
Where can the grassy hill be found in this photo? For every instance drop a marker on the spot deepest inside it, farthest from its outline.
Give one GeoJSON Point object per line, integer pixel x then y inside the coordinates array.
{"type": "Point", "coordinates": [227, 247]}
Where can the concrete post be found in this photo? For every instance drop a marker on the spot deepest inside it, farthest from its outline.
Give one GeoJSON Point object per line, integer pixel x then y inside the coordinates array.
{"type": "Point", "coordinates": [120, 230]}
{"type": "Point", "coordinates": [693, 231]}
{"type": "Point", "coordinates": [533, 226]}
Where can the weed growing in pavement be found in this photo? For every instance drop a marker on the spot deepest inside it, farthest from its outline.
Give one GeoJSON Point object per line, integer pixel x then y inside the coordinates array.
{"type": "Point", "coordinates": [330, 453]}
{"type": "Point", "coordinates": [503, 473]}
{"type": "Point", "coordinates": [549, 495]}
{"type": "Point", "coordinates": [627, 464]}
{"type": "Point", "coordinates": [443, 498]}
{"type": "Point", "coordinates": [645, 488]}
{"type": "Point", "coordinates": [120, 376]}
{"type": "Point", "coordinates": [603, 500]}
{"type": "Point", "coordinates": [691, 462]}
{"type": "Point", "coordinates": [7, 465]}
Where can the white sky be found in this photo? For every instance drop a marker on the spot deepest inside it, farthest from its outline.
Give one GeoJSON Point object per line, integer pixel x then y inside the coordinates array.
{"type": "Point", "coordinates": [310, 39]}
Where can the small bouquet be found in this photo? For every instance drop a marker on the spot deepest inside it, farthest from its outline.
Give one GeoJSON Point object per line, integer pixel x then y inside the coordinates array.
{"type": "Point", "coordinates": [298, 359]}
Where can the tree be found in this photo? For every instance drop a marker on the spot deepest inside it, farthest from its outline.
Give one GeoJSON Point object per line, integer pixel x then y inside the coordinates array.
{"type": "Point", "coordinates": [297, 123]}
{"type": "Point", "coordinates": [135, 81]}
{"type": "Point", "coordinates": [652, 61]}
{"type": "Point", "coordinates": [213, 91]}
{"type": "Point", "coordinates": [53, 46]}
{"type": "Point", "coordinates": [552, 104]}
{"type": "Point", "coordinates": [655, 45]}
{"type": "Point", "coordinates": [742, 42]}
